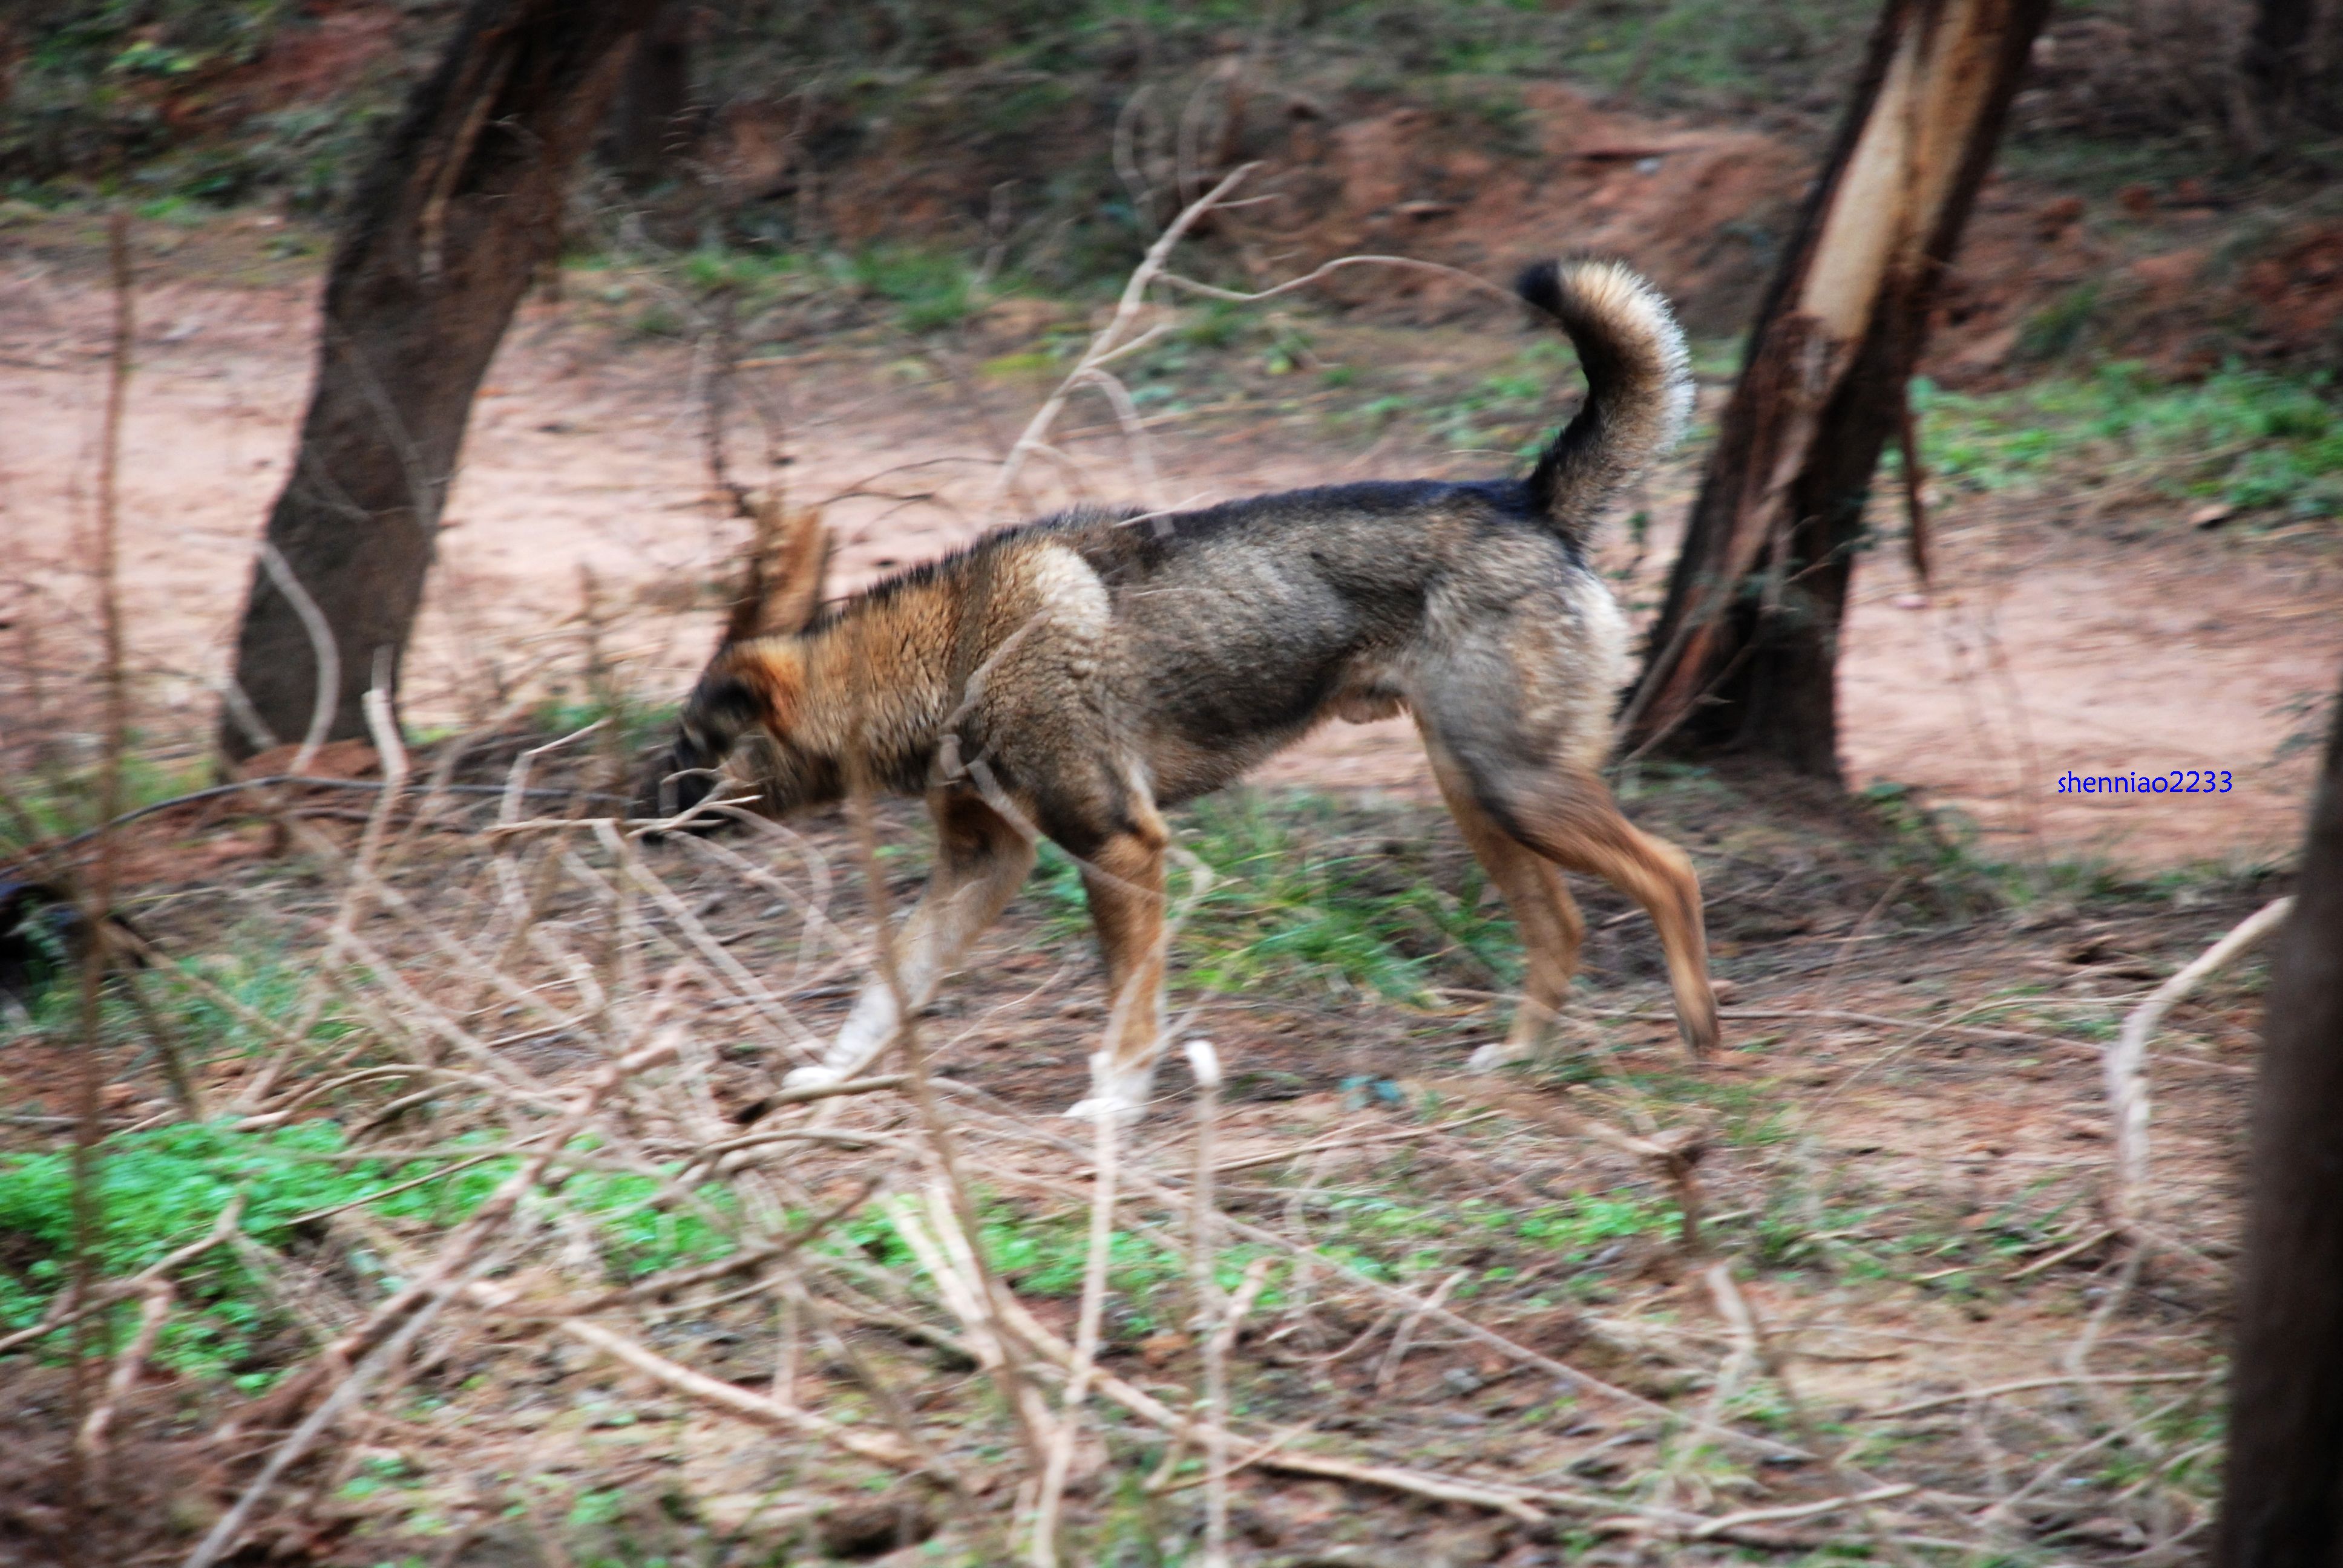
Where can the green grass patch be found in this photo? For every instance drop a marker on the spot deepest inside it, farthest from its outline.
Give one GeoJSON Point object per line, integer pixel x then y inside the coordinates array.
{"type": "Point", "coordinates": [1941, 852]}
{"type": "Point", "coordinates": [95, 86]}
{"type": "Point", "coordinates": [929, 289]}
{"type": "Point", "coordinates": [157, 1190]}
{"type": "Point", "coordinates": [1048, 1254]}
{"type": "Point", "coordinates": [1511, 411]}
{"type": "Point", "coordinates": [1508, 412]}
{"type": "Point", "coordinates": [637, 722]}
{"type": "Point", "coordinates": [1307, 896]}
{"type": "Point", "coordinates": [923, 288]}
{"type": "Point", "coordinates": [755, 273]}
{"type": "Point", "coordinates": [1578, 1228]}
{"type": "Point", "coordinates": [1390, 1239]}
{"type": "Point", "coordinates": [1713, 53]}
{"type": "Point", "coordinates": [1959, 1255]}
{"type": "Point", "coordinates": [1013, 366]}
{"type": "Point", "coordinates": [55, 803]}
{"type": "Point", "coordinates": [2257, 440]}
{"type": "Point", "coordinates": [222, 1004]}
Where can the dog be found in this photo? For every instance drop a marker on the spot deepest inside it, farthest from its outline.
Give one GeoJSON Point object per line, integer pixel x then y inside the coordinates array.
{"type": "Point", "coordinates": [1072, 676]}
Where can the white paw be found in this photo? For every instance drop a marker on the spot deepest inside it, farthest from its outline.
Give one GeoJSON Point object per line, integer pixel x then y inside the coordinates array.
{"type": "Point", "coordinates": [813, 1078]}
{"type": "Point", "coordinates": [1125, 1112]}
{"type": "Point", "coordinates": [1120, 1093]}
{"type": "Point", "coordinates": [1492, 1056]}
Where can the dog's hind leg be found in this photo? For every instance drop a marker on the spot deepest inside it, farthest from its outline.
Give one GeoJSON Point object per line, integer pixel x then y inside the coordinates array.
{"type": "Point", "coordinates": [1123, 877]}
{"type": "Point", "coordinates": [1549, 920]}
{"type": "Point", "coordinates": [1568, 816]}
{"type": "Point", "coordinates": [981, 860]}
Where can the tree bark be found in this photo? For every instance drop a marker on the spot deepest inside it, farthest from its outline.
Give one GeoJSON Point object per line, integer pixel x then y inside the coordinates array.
{"type": "Point", "coordinates": [2282, 1502]}
{"type": "Point", "coordinates": [458, 211]}
{"type": "Point", "coordinates": [2291, 77]}
{"type": "Point", "coordinates": [654, 96]}
{"type": "Point", "coordinates": [1743, 653]}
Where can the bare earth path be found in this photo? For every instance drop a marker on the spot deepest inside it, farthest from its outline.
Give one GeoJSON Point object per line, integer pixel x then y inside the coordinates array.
{"type": "Point", "coordinates": [2045, 647]}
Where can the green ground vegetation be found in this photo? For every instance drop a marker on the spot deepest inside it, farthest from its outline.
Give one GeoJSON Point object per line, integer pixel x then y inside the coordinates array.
{"type": "Point", "coordinates": [2257, 440]}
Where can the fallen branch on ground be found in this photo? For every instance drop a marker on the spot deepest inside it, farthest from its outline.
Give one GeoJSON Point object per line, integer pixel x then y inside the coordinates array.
{"type": "Point", "coordinates": [1838, 1015]}
{"type": "Point", "coordinates": [1391, 1295]}
{"type": "Point", "coordinates": [1422, 1484]}
{"type": "Point", "coordinates": [277, 780]}
{"type": "Point", "coordinates": [2127, 1063]}
{"type": "Point", "coordinates": [1112, 341]}
{"type": "Point", "coordinates": [466, 1241]}
{"type": "Point", "coordinates": [1732, 1522]}
{"type": "Point", "coordinates": [1674, 1155]}
{"type": "Point", "coordinates": [127, 1366]}
{"type": "Point", "coordinates": [2022, 1384]}
{"type": "Point", "coordinates": [739, 1402]}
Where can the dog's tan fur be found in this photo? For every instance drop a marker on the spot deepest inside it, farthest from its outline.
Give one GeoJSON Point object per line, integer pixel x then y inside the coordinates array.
{"type": "Point", "coordinates": [1068, 676]}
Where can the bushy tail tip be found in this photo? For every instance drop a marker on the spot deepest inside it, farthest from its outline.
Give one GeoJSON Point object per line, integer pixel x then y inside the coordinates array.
{"type": "Point", "coordinates": [1639, 386]}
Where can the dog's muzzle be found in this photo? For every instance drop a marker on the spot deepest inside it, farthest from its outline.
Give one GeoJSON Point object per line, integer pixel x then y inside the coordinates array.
{"type": "Point", "coordinates": [675, 784]}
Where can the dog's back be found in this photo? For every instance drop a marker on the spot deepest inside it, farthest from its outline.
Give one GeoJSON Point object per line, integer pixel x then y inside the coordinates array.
{"type": "Point", "coordinates": [1231, 630]}
{"type": "Point", "coordinates": [1241, 626]}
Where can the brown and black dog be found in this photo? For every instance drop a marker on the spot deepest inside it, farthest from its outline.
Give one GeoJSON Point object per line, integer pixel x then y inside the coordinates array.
{"type": "Point", "coordinates": [1072, 676]}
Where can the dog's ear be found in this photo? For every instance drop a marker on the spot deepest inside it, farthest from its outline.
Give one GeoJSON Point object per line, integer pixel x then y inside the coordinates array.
{"type": "Point", "coordinates": [800, 568]}
{"type": "Point", "coordinates": [788, 561]}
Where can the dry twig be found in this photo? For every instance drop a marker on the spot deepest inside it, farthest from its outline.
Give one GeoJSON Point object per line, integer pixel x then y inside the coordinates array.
{"type": "Point", "coordinates": [1114, 340]}
{"type": "Point", "coordinates": [127, 1365]}
{"type": "Point", "coordinates": [1108, 1125]}
{"type": "Point", "coordinates": [738, 1401]}
{"type": "Point", "coordinates": [2127, 1063]}
{"type": "Point", "coordinates": [1216, 1324]}
{"type": "Point", "coordinates": [1994, 1391]}
{"type": "Point", "coordinates": [1727, 1523]}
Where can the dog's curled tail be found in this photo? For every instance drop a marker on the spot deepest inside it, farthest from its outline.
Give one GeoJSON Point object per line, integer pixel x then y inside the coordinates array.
{"type": "Point", "coordinates": [1638, 387]}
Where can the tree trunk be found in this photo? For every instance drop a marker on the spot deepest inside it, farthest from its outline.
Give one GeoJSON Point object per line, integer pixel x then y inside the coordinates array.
{"type": "Point", "coordinates": [1744, 651]}
{"type": "Point", "coordinates": [2282, 1502]}
{"type": "Point", "coordinates": [458, 211]}
{"type": "Point", "coordinates": [2291, 76]}
{"type": "Point", "coordinates": [653, 97]}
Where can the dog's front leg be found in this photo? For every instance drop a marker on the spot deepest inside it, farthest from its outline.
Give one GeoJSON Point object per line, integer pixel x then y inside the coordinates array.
{"type": "Point", "coordinates": [982, 858]}
{"type": "Point", "coordinates": [1124, 880]}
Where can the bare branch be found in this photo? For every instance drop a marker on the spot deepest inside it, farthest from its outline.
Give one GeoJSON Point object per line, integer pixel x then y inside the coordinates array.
{"type": "Point", "coordinates": [2126, 1064]}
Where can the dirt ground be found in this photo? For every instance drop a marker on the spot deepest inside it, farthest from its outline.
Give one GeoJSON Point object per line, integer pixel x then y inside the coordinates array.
{"type": "Point", "coordinates": [1902, 1156]}
{"type": "Point", "coordinates": [2054, 639]}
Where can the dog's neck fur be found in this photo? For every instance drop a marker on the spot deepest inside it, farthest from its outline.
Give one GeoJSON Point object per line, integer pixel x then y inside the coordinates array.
{"type": "Point", "coordinates": [830, 719]}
